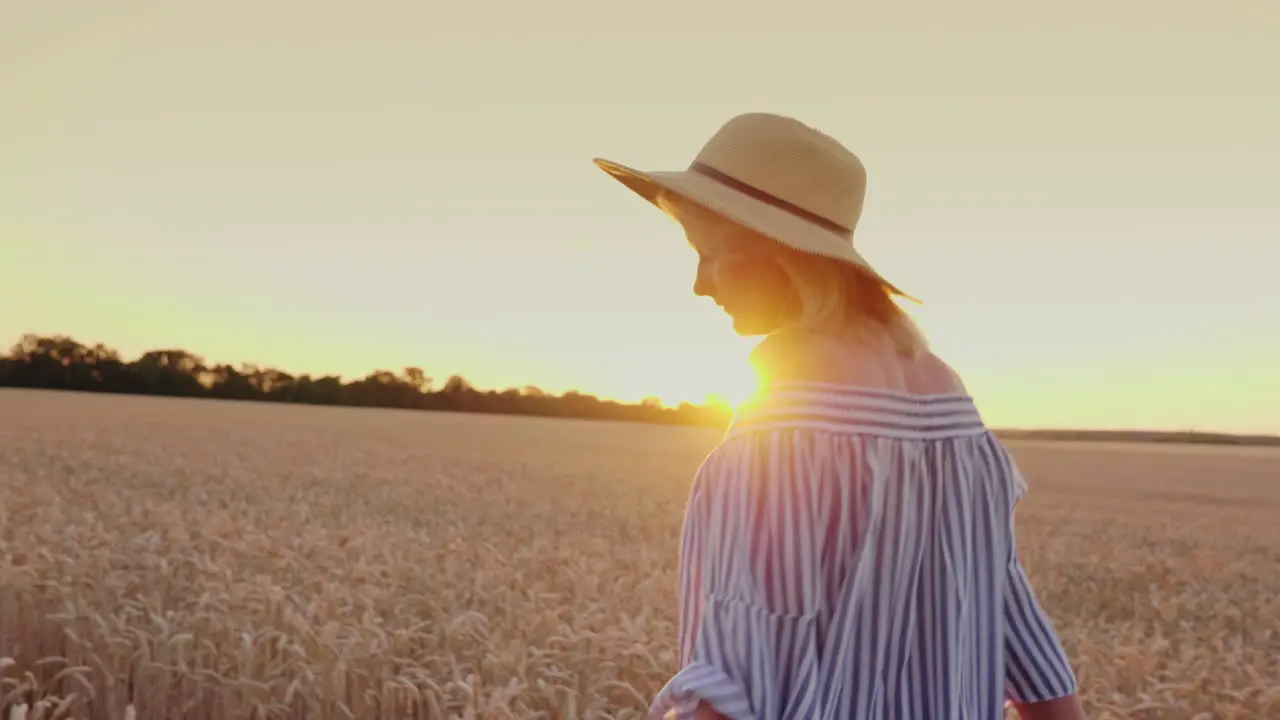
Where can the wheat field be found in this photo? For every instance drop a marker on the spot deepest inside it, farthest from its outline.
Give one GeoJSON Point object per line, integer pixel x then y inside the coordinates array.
{"type": "Point", "coordinates": [164, 558]}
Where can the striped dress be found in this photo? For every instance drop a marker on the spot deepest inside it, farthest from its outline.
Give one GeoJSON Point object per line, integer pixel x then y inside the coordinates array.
{"type": "Point", "coordinates": [849, 554]}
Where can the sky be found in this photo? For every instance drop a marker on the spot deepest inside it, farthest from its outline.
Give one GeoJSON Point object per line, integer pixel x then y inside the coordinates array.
{"type": "Point", "coordinates": [1084, 195]}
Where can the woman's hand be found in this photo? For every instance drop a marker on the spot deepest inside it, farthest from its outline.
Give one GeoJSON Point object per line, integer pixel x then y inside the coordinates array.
{"type": "Point", "coordinates": [704, 712]}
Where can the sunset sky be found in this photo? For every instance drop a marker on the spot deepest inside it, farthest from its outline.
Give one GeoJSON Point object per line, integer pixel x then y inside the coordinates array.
{"type": "Point", "coordinates": [1085, 195]}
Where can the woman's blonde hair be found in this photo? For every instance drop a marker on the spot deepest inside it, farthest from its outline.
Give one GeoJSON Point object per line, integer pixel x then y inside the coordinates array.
{"type": "Point", "coordinates": [833, 295]}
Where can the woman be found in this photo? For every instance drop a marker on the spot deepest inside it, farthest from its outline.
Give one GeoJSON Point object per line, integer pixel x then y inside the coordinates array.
{"type": "Point", "coordinates": [848, 549]}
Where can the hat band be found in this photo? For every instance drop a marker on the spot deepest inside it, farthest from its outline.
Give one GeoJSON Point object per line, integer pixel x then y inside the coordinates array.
{"type": "Point", "coordinates": [769, 199]}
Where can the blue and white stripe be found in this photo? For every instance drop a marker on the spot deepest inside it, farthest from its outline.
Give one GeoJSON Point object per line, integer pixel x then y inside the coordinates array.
{"type": "Point", "coordinates": [849, 553]}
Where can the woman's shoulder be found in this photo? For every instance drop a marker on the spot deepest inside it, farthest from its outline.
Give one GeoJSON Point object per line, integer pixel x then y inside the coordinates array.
{"type": "Point", "coordinates": [799, 356]}
{"type": "Point", "coordinates": [828, 388]}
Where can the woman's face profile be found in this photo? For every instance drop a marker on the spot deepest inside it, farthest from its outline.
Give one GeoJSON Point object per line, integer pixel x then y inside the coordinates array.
{"type": "Point", "coordinates": [738, 270]}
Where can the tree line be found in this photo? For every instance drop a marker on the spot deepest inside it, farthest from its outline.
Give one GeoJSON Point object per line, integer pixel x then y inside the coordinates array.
{"type": "Point", "coordinates": [59, 362]}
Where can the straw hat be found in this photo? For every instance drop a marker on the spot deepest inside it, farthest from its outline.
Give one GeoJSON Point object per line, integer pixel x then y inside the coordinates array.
{"type": "Point", "coordinates": [777, 176]}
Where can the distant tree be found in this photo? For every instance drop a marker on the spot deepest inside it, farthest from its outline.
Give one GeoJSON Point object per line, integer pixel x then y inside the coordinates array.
{"type": "Point", "coordinates": [168, 372]}
{"type": "Point", "coordinates": [456, 385]}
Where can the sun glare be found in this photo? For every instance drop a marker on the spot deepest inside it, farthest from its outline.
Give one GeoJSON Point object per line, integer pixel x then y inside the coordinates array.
{"type": "Point", "coordinates": [731, 386]}
{"type": "Point", "coordinates": [728, 384]}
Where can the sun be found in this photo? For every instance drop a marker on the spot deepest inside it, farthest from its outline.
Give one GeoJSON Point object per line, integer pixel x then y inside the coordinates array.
{"type": "Point", "coordinates": [745, 385]}
{"type": "Point", "coordinates": [722, 373]}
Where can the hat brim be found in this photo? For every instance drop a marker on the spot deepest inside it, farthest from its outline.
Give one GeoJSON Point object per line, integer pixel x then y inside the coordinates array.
{"type": "Point", "coordinates": [775, 223]}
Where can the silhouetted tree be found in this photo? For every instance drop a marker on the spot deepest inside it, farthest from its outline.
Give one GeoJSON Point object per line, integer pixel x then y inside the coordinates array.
{"type": "Point", "coordinates": [417, 379]}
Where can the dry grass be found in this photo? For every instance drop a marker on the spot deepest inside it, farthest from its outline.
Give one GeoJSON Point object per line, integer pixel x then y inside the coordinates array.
{"type": "Point", "coordinates": [204, 559]}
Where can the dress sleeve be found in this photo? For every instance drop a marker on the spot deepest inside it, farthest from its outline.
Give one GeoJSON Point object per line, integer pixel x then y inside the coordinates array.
{"type": "Point", "coordinates": [701, 678]}
{"type": "Point", "coordinates": [1036, 666]}
{"type": "Point", "coordinates": [747, 633]}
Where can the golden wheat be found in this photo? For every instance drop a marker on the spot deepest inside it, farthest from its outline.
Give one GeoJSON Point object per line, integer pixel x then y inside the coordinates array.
{"type": "Point", "coordinates": [194, 559]}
